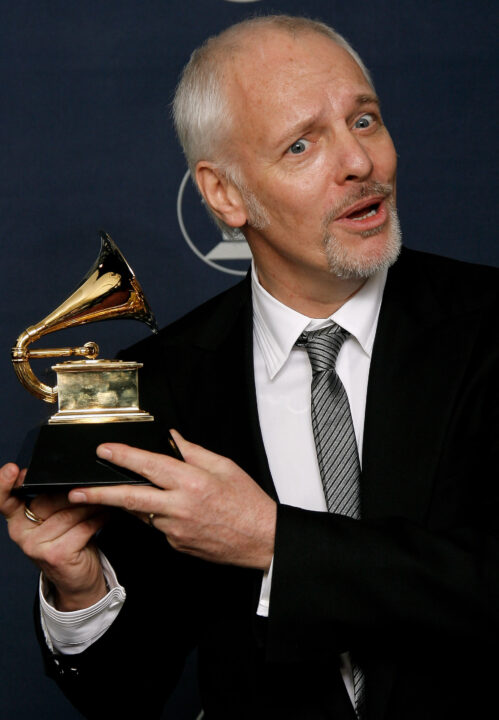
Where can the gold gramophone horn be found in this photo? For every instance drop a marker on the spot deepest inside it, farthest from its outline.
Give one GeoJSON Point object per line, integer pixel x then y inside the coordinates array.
{"type": "Point", "coordinates": [109, 290]}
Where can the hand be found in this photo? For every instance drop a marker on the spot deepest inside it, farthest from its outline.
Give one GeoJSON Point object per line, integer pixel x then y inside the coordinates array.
{"type": "Point", "coordinates": [60, 545]}
{"type": "Point", "coordinates": [206, 506]}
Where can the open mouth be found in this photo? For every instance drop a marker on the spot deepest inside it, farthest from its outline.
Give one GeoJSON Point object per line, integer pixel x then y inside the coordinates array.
{"type": "Point", "coordinates": [363, 213]}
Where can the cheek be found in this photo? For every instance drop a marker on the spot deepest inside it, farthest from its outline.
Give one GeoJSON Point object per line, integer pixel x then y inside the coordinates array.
{"type": "Point", "coordinates": [386, 160]}
{"type": "Point", "coordinates": [299, 197]}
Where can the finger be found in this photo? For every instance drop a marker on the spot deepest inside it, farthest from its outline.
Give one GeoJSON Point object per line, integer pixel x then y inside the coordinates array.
{"type": "Point", "coordinates": [197, 455]}
{"type": "Point", "coordinates": [20, 478]}
{"type": "Point", "coordinates": [71, 535]}
{"type": "Point", "coordinates": [9, 475]}
{"type": "Point", "coordinates": [57, 552]}
{"type": "Point", "coordinates": [80, 535]}
{"type": "Point", "coordinates": [63, 521]}
{"type": "Point", "coordinates": [29, 534]}
{"type": "Point", "coordinates": [134, 498]}
{"type": "Point", "coordinates": [148, 518]}
{"type": "Point", "coordinates": [157, 468]}
{"type": "Point", "coordinates": [46, 505]}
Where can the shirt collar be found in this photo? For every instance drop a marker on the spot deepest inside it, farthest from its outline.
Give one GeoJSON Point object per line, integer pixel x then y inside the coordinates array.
{"type": "Point", "coordinates": [278, 326]}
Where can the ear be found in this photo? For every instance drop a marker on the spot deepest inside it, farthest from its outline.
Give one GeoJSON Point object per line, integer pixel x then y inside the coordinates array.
{"type": "Point", "coordinates": [223, 198]}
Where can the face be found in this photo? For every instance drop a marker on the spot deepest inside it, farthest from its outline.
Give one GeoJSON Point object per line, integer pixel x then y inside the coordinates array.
{"type": "Point", "coordinates": [318, 164]}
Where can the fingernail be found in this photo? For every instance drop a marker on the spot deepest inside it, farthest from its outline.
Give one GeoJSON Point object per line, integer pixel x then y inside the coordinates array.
{"type": "Point", "coordinates": [77, 496]}
{"type": "Point", "coordinates": [103, 451]}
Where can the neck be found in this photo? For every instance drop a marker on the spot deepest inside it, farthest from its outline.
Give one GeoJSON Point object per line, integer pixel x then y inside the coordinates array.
{"type": "Point", "coordinates": [316, 295]}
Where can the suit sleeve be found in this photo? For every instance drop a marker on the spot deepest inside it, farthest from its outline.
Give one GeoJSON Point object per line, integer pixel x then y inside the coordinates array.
{"type": "Point", "coordinates": [133, 668]}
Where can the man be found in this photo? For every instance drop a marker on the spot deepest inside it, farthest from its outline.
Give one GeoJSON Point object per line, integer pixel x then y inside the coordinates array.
{"type": "Point", "coordinates": [299, 607]}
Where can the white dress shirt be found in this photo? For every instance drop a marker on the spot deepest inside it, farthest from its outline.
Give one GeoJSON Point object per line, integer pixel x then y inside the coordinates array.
{"type": "Point", "coordinates": [283, 379]}
{"type": "Point", "coordinates": [73, 632]}
{"type": "Point", "coordinates": [283, 385]}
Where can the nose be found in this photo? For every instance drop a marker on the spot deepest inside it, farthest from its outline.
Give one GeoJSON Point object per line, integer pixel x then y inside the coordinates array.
{"type": "Point", "coordinates": [353, 161]}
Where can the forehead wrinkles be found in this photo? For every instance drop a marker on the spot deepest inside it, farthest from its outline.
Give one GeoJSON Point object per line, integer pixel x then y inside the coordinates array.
{"type": "Point", "coordinates": [272, 85]}
{"type": "Point", "coordinates": [265, 88]}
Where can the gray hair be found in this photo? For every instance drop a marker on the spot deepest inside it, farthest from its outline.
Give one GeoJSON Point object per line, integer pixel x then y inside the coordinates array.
{"type": "Point", "coordinates": [201, 110]}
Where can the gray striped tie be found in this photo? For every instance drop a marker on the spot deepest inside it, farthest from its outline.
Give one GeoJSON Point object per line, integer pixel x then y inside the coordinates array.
{"type": "Point", "coordinates": [334, 437]}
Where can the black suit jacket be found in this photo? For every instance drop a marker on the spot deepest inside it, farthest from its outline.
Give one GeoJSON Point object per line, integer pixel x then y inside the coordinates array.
{"type": "Point", "coordinates": [412, 589]}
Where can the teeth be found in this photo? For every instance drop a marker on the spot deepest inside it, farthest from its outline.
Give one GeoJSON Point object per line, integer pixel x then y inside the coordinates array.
{"type": "Point", "coordinates": [369, 214]}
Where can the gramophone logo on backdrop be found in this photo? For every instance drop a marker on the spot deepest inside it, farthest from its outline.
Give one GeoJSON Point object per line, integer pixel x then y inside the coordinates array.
{"type": "Point", "coordinates": [204, 238]}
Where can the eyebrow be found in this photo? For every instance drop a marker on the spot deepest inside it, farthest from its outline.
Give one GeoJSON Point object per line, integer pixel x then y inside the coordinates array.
{"type": "Point", "coordinates": [296, 130]}
{"type": "Point", "coordinates": [302, 127]}
{"type": "Point", "coordinates": [367, 100]}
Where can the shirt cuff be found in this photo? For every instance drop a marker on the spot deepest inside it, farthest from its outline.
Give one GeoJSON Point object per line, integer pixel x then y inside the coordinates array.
{"type": "Point", "coordinates": [264, 602]}
{"type": "Point", "coordinates": [73, 632]}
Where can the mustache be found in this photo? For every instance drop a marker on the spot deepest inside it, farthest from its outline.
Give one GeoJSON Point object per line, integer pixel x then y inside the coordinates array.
{"type": "Point", "coordinates": [358, 193]}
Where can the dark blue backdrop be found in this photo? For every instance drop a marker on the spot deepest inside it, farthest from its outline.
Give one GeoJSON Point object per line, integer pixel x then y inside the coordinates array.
{"type": "Point", "coordinates": [87, 143]}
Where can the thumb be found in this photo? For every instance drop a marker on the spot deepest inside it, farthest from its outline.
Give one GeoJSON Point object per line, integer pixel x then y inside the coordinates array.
{"type": "Point", "coordinates": [10, 477]}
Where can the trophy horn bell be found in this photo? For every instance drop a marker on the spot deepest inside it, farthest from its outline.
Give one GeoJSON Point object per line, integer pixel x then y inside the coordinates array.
{"type": "Point", "coordinates": [108, 291]}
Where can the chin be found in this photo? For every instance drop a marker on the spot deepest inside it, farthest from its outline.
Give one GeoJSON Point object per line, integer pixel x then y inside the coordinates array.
{"type": "Point", "coordinates": [377, 250]}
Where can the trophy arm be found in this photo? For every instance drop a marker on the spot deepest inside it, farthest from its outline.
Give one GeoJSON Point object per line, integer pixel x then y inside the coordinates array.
{"type": "Point", "coordinates": [23, 370]}
{"type": "Point", "coordinates": [25, 374]}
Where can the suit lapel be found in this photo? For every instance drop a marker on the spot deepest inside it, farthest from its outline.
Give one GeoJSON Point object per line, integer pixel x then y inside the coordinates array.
{"type": "Point", "coordinates": [222, 412]}
{"type": "Point", "coordinates": [418, 358]}
{"type": "Point", "coordinates": [415, 372]}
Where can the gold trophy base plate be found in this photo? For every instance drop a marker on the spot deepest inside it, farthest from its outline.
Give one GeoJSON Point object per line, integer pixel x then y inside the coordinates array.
{"type": "Point", "coordinates": [102, 416]}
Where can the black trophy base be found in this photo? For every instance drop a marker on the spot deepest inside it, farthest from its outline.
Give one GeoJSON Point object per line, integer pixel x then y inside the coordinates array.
{"type": "Point", "coordinates": [64, 455]}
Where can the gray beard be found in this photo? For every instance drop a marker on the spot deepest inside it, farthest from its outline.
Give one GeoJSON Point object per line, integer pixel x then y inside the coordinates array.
{"type": "Point", "coordinates": [352, 266]}
{"type": "Point", "coordinates": [342, 262]}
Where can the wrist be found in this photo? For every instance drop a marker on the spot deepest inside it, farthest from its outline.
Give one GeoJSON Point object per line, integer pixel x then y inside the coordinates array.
{"type": "Point", "coordinates": [70, 600]}
{"type": "Point", "coordinates": [267, 551]}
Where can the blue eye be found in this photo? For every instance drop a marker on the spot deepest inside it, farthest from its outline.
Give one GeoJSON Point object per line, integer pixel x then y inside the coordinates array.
{"type": "Point", "coordinates": [365, 121]}
{"type": "Point", "coordinates": [299, 147]}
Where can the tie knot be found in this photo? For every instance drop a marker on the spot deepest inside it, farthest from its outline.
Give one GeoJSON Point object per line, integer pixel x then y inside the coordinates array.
{"type": "Point", "coordinates": [323, 346]}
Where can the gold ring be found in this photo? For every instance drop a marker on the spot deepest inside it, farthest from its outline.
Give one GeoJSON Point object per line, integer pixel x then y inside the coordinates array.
{"type": "Point", "coordinates": [30, 515]}
{"type": "Point", "coordinates": [150, 519]}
